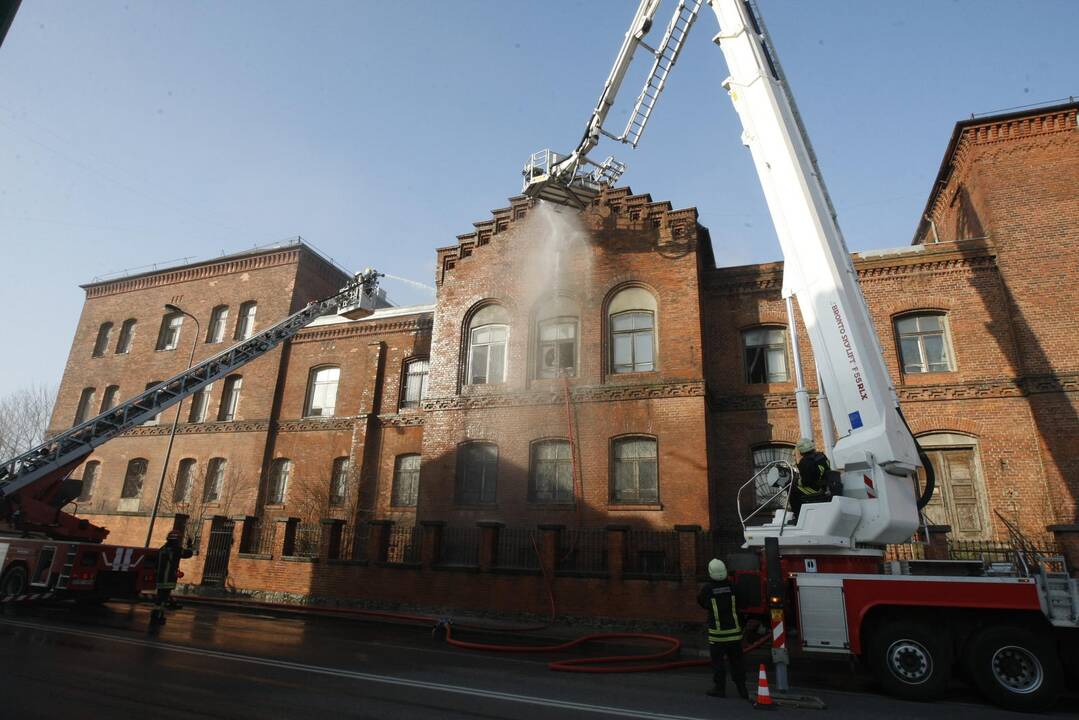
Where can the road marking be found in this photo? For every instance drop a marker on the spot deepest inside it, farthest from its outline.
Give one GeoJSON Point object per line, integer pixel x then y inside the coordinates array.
{"type": "Point", "coordinates": [353, 675]}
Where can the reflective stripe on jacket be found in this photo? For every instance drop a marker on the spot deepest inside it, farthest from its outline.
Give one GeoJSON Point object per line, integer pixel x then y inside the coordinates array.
{"type": "Point", "coordinates": [724, 624]}
{"type": "Point", "coordinates": [813, 473]}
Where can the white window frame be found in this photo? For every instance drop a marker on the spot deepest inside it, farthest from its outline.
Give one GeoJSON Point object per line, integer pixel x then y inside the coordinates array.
{"type": "Point", "coordinates": [169, 336]}
{"type": "Point", "coordinates": [277, 485]}
{"type": "Point", "coordinates": [473, 345]}
{"type": "Point", "coordinates": [765, 350]}
{"type": "Point", "coordinates": [245, 320]}
{"type": "Point", "coordinates": [322, 391]}
{"type": "Point", "coordinates": [200, 405]}
{"type": "Point", "coordinates": [617, 443]}
{"type": "Point", "coordinates": [411, 396]}
{"type": "Point", "coordinates": [219, 318]}
{"type": "Point", "coordinates": [919, 336]}
{"type": "Point", "coordinates": [562, 469]}
{"type": "Point", "coordinates": [230, 398]}
{"type": "Point", "coordinates": [632, 334]}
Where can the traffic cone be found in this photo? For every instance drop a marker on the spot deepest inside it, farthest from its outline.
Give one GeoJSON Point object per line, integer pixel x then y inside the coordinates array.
{"type": "Point", "coordinates": [764, 697]}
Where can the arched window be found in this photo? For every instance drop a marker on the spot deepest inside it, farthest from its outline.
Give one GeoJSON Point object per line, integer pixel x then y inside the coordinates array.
{"type": "Point", "coordinates": [219, 318]}
{"type": "Point", "coordinates": [156, 418]}
{"type": "Point", "coordinates": [551, 472]}
{"type": "Point", "coordinates": [763, 456]}
{"type": "Point", "coordinates": [214, 483]}
{"type": "Point", "coordinates": [127, 334]}
{"type": "Point", "coordinates": [200, 403]}
{"type": "Point", "coordinates": [556, 338]}
{"type": "Point", "coordinates": [85, 406]}
{"type": "Point", "coordinates": [101, 345]}
{"type": "Point", "coordinates": [322, 391]}
{"type": "Point", "coordinates": [765, 353]}
{"type": "Point", "coordinates": [631, 322]}
{"type": "Point", "coordinates": [169, 336]}
{"type": "Point", "coordinates": [339, 482]}
{"type": "Point", "coordinates": [635, 472]}
{"type": "Point", "coordinates": [185, 481]}
{"type": "Point", "coordinates": [277, 489]}
{"type": "Point", "coordinates": [406, 480]}
{"type": "Point", "coordinates": [477, 473]}
{"type": "Point", "coordinates": [134, 478]}
{"type": "Point", "coordinates": [230, 398]}
{"type": "Point", "coordinates": [90, 471]}
{"type": "Point", "coordinates": [959, 499]}
{"type": "Point", "coordinates": [245, 321]}
{"type": "Point", "coordinates": [415, 383]}
{"type": "Point", "coordinates": [488, 332]}
{"type": "Point", "coordinates": [108, 400]}
{"type": "Point", "coordinates": [924, 343]}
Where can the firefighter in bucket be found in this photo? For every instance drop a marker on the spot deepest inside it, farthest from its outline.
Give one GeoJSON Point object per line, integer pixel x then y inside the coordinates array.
{"type": "Point", "coordinates": [168, 568]}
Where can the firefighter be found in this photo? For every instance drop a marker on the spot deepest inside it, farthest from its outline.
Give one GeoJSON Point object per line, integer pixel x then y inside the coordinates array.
{"type": "Point", "coordinates": [168, 566]}
{"type": "Point", "coordinates": [724, 630]}
{"type": "Point", "coordinates": [813, 471]}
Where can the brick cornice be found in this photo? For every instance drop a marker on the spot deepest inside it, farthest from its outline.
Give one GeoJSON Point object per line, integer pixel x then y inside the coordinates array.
{"type": "Point", "coordinates": [229, 266]}
{"type": "Point", "coordinates": [200, 428]}
{"type": "Point", "coordinates": [590, 393]}
{"type": "Point", "coordinates": [315, 424]}
{"type": "Point", "coordinates": [418, 323]}
{"type": "Point", "coordinates": [401, 420]}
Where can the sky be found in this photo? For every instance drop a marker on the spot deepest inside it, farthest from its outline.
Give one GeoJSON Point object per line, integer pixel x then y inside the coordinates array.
{"type": "Point", "coordinates": [135, 133]}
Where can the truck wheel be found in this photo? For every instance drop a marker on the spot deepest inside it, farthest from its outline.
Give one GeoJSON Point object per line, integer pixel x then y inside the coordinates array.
{"type": "Point", "coordinates": [15, 581]}
{"type": "Point", "coordinates": [911, 660]}
{"type": "Point", "coordinates": [1015, 668]}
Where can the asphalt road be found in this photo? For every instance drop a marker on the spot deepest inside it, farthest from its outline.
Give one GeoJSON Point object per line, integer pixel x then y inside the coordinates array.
{"type": "Point", "coordinates": [219, 663]}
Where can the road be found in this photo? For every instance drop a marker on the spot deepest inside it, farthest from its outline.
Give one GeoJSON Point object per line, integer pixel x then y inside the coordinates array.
{"type": "Point", "coordinates": [210, 662]}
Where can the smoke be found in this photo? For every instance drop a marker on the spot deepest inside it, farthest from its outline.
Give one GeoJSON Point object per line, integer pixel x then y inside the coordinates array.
{"type": "Point", "coordinates": [559, 257]}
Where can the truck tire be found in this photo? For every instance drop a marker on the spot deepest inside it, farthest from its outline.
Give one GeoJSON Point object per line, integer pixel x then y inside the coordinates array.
{"type": "Point", "coordinates": [911, 660]}
{"type": "Point", "coordinates": [1015, 668]}
{"type": "Point", "coordinates": [16, 581]}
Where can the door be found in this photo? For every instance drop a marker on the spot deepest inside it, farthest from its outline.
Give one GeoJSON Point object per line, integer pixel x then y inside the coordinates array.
{"type": "Point", "coordinates": [957, 499]}
{"type": "Point", "coordinates": [218, 549]}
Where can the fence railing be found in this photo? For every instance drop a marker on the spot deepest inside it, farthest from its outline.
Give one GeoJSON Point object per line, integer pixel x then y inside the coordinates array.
{"type": "Point", "coordinates": [582, 552]}
{"type": "Point", "coordinates": [460, 547]}
{"type": "Point", "coordinates": [403, 545]}
{"type": "Point", "coordinates": [306, 541]}
{"type": "Point", "coordinates": [518, 549]}
{"type": "Point", "coordinates": [259, 540]}
{"type": "Point", "coordinates": [653, 554]}
{"type": "Point", "coordinates": [354, 537]}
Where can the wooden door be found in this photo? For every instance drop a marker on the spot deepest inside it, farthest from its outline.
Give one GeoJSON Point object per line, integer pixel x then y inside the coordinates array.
{"type": "Point", "coordinates": [957, 498]}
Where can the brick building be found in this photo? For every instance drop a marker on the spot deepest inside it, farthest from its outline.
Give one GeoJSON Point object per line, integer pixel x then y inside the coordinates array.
{"type": "Point", "coordinates": [593, 372]}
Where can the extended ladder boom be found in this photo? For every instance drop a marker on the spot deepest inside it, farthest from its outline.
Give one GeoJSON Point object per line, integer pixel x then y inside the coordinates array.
{"type": "Point", "coordinates": [49, 462]}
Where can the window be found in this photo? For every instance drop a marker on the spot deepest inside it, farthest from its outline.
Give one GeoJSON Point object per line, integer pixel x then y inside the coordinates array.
{"type": "Point", "coordinates": [102, 343]}
{"type": "Point", "coordinates": [86, 403]}
{"type": "Point", "coordinates": [551, 475]}
{"type": "Point", "coordinates": [923, 343]}
{"type": "Point", "coordinates": [415, 388]}
{"type": "Point", "coordinates": [762, 458]}
{"type": "Point", "coordinates": [631, 318]}
{"type": "Point", "coordinates": [200, 403]}
{"type": "Point", "coordinates": [477, 472]}
{"type": "Point", "coordinates": [322, 392]}
{"type": "Point", "coordinates": [339, 482]}
{"type": "Point", "coordinates": [279, 474]}
{"type": "Point", "coordinates": [169, 337]}
{"type": "Point", "coordinates": [185, 481]}
{"type": "Point", "coordinates": [765, 352]}
{"type": "Point", "coordinates": [488, 332]}
{"type": "Point", "coordinates": [156, 418]}
{"type": "Point", "coordinates": [134, 478]}
{"type": "Point", "coordinates": [127, 334]}
{"type": "Point", "coordinates": [557, 350]}
{"type": "Point", "coordinates": [406, 480]}
{"type": "Point", "coordinates": [230, 398]}
{"type": "Point", "coordinates": [219, 318]}
{"type": "Point", "coordinates": [245, 321]}
{"type": "Point", "coordinates": [636, 479]}
{"type": "Point", "coordinates": [215, 480]}
{"type": "Point", "coordinates": [108, 400]}
{"type": "Point", "coordinates": [89, 479]}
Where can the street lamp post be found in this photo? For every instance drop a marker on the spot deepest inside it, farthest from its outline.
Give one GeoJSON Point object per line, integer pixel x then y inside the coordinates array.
{"type": "Point", "coordinates": [175, 421]}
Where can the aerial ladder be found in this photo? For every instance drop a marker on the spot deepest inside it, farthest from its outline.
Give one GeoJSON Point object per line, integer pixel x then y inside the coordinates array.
{"type": "Point", "coordinates": [35, 489]}
{"type": "Point", "coordinates": [1016, 624]}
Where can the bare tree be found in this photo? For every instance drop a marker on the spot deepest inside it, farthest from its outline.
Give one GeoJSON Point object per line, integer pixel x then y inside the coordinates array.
{"type": "Point", "coordinates": [232, 496]}
{"type": "Point", "coordinates": [24, 417]}
{"type": "Point", "coordinates": [313, 498]}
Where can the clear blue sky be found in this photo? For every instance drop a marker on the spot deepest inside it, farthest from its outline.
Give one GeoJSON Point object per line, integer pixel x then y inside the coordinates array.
{"type": "Point", "coordinates": [139, 132]}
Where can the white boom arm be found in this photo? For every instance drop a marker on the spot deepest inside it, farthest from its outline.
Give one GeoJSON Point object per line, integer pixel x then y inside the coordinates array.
{"type": "Point", "coordinates": [876, 452]}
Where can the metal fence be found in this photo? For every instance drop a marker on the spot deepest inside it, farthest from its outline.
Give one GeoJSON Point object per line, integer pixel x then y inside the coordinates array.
{"type": "Point", "coordinates": [354, 541]}
{"type": "Point", "coordinates": [403, 546]}
{"type": "Point", "coordinates": [582, 552]}
{"type": "Point", "coordinates": [259, 540]}
{"type": "Point", "coordinates": [518, 549]}
{"type": "Point", "coordinates": [904, 551]}
{"type": "Point", "coordinates": [460, 547]}
{"type": "Point", "coordinates": [306, 541]}
{"type": "Point", "coordinates": [653, 554]}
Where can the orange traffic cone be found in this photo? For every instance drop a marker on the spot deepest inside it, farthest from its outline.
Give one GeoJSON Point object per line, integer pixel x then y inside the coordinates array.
{"type": "Point", "coordinates": [764, 697]}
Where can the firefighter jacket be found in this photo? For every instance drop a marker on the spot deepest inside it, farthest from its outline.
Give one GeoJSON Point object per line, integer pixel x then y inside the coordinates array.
{"type": "Point", "coordinates": [724, 625]}
{"type": "Point", "coordinates": [168, 564]}
{"type": "Point", "coordinates": [813, 472]}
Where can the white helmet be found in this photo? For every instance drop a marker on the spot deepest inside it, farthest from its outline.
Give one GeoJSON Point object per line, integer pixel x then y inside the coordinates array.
{"type": "Point", "coordinates": [717, 570]}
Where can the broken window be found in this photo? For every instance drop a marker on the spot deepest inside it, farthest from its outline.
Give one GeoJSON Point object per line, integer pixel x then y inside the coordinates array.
{"type": "Point", "coordinates": [636, 477]}
{"type": "Point", "coordinates": [551, 476]}
{"type": "Point", "coordinates": [923, 343]}
{"type": "Point", "coordinates": [185, 481]}
{"type": "Point", "coordinates": [127, 333]}
{"type": "Point", "coordinates": [765, 350]}
{"type": "Point", "coordinates": [215, 480]}
{"type": "Point", "coordinates": [89, 479]}
{"type": "Point", "coordinates": [102, 343]}
{"type": "Point", "coordinates": [86, 402]}
{"type": "Point", "coordinates": [134, 478]}
{"type": "Point", "coordinates": [108, 400]}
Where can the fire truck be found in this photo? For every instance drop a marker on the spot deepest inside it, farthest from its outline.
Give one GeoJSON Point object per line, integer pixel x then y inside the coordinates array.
{"type": "Point", "coordinates": [46, 550]}
{"type": "Point", "coordinates": [1010, 628]}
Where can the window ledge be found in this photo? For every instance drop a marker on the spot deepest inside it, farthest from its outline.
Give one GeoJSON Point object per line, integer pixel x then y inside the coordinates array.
{"type": "Point", "coordinates": [615, 507]}
{"type": "Point", "coordinates": [551, 506]}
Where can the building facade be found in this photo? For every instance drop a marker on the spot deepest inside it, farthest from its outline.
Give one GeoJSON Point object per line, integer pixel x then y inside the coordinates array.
{"type": "Point", "coordinates": [598, 370]}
